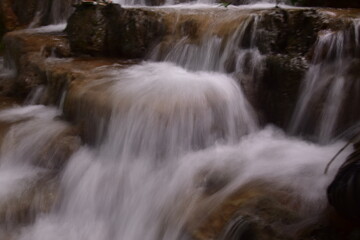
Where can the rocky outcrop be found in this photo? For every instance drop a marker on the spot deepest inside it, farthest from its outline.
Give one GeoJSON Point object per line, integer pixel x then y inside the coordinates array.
{"type": "Point", "coordinates": [113, 31]}
{"type": "Point", "coordinates": [257, 212]}
{"type": "Point", "coordinates": [8, 19]}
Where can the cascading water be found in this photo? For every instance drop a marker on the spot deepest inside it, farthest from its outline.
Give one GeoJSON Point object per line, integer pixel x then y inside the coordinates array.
{"type": "Point", "coordinates": [329, 86]}
{"type": "Point", "coordinates": [178, 141]}
{"type": "Point", "coordinates": [149, 175]}
{"type": "Point", "coordinates": [216, 53]}
{"type": "Point", "coordinates": [30, 130]}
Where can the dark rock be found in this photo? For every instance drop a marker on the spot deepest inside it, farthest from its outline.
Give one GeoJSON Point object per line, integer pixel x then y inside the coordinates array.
{"type": "Point", "coordinates": [87, 30]}
{"type": "Point", "coordinates": [329, 3]}
{"type": "Point", "coordinates": [279, 87]}
{"type": "Point", "coordinates": [154, 2]}
{"type": "Point", "coordinates": [291, 32]}
{"type": "Point", "coordinates": [343, 192]}
{"type": "Point", "coordinates": [8, 19]}
{"type": "Point", "coordinates": [253, 212]}
{"type": "Point", "coordinates": [113, 31]}
{"type": "Point", "coordinates": [242, 227]}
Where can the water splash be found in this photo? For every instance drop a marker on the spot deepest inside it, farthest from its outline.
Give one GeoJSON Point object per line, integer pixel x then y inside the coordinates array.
{"type": "Point", "coordinates": [30, 130]}
{"type": "Point", "coordinates": [120, 189]}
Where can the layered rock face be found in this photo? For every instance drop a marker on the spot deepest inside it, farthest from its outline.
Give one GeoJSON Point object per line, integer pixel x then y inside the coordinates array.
{"type": "Point", "coordinates": [113, 31]}
{"type": "Point", "coordinates": [285, 40]}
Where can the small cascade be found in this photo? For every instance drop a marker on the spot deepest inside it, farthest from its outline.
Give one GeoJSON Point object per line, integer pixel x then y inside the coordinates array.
{"type": "Point", "coordinates": [170, 133]}
{"type": "Point", "coordinates": [30, 131]}
{"type": "Point", "coordinates": [213, 51]}
{"type": "Point", "coordinates": [48, 12]}
{"type": "Point", "coordinates": [7, 68]}
{"type": "Point", "coordinates": [60, 11]}
{"type": "Point", "coordinates": [170, 140]}
{"type": "Point", "coordinates": [36, 96]}
{"type": "Point", "coordinates": [330, 86]}
{"type": "Point", "coordinates": [224, 43]}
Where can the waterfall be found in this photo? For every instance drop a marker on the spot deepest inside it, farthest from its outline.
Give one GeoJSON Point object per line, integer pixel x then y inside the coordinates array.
{"type": "Point", "coordinates": [171, 136]}
{"type": "Point", "coordinates": [31, 129]}
{"type": "Point", "coordinates": [329, 86]}
{"type": "Point", "coordinates": [174, 137]}
{"type": "Point", "coordinates": [227, 53]}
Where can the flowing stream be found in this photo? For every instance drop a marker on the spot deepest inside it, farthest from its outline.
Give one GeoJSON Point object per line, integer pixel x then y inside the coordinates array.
{"type": "Point", "coordinates": [179, 136]}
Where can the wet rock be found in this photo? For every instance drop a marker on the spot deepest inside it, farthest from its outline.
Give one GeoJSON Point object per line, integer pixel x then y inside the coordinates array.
{"type": "Point", "coordinates": [38, 197]}
{"type": "Point", "coordinates": [58, 151]}
{"type": "Point", "coordinates": [343, 191]}
{"type": "Point", "coordinates": [253, 212]}
{"type": "Point", "coordinates": [257, 212]}
{"type": "Point", "coordinates": [113, 31]}
{"type": "Point", "coordinates": [27, 53]}
{"type": "Point", "coordinates": [8, 19]}
{"type": "Point", "coordinates": [292, 31]}
{"type": "Point", "coordinates": [280, 86]}
{"type": "Point", "coordinates": [87, 30]}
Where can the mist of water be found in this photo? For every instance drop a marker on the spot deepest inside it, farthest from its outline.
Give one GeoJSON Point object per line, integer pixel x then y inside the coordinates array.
{"type": "Point", "coordinates": [30, 129]}
{"type": "Point", "coordinates": [170, 131]}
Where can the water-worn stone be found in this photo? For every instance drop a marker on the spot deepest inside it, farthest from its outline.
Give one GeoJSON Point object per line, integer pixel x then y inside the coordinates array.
{"type": "Point", "coordinates": [113, 31]}
{"type": "Point", "coordinates": [292, 32]}
{"type": "Point", "coordinates": [253, 211]}
{"type": "Point", "coordinates": [37, 197]}
{"type": "Point", "coordinates": [279, 88]}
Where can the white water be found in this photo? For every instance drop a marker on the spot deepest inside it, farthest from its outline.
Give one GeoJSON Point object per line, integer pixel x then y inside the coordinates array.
{"type": "Point", "coordinates": [31, 129]}
{"type": "Point", "coordinates": [214, 53]}
{"type": "Point", "coordinates": [171, 132]}
{"type": "Point", "coordinates": [47, 29]}
{"type": "Point", "coordinates": [328, 78]}
{"type": "Point", "coordinates": [5, 72]}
